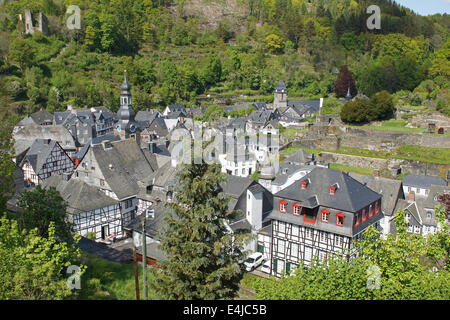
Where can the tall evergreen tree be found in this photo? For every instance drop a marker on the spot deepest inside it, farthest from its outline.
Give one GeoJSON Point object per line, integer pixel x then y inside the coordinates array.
{"type": "Point", "coordinates": [203, 257]}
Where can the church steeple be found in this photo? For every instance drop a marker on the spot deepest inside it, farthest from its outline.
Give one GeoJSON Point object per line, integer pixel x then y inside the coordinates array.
{"type": "Point", "coordinates": [126, 114]}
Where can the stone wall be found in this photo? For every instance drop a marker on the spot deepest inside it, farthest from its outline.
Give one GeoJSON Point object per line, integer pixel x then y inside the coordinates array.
{"type": "Point", "coordinates": [412, 166]}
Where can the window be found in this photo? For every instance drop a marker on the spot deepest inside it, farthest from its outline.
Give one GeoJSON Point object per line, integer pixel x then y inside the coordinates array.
{"type": "Point", "coordinates": [338, 240]}
{"type": "Point", "coordinates": [102, 182]}
{"type": "Point", "coordinates": [308, 233]}
{"type": "Point", "coordinates": [332, 190]}
{"type": "Point", "coordinates": [322, 255]}
{"type": "Point", "coordinates": [323, 237]}
{"type": "Point", "coordinates": [339, 219]}
{"type": "Point", "coordinates": [296, 209]}
{"type": "Point", "coordinates": [409, 189]}
{"type": "Point", "coordinates": [303, 184]}
{"type": "Point", "coordinates": [325, 215]}
{"type": "Point", "coordinates": [428, 215]}
{"type": "Point", "coordinates": [357, 217]}
{"type": "Point", "coordinates": [364, 215]}
{"type": "Point", "coordinates": [283, 206]}
{"type": "Point", "coordinates": [282, 227]}
{"type": "Point", "coordinates": [371, 210]}
{"type": "Point", "coordinates": [378, 206]}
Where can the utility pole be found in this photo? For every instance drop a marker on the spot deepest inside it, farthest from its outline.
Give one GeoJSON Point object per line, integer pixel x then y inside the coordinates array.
{"type": "Point", "coordinates": [136, 273]}
{"type": "Point", "coordinates": [144, 257]}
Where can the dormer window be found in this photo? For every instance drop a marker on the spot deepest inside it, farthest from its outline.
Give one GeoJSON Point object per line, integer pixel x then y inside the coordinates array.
{"type": "Point", "coordinates": [304, 184]}
{"type": "Point", "coordinates": [378, 207]}
{"type": "Point", "coordinates": [333, 188]}
{"type": "Point", "coordinates": [371, 208]}
{"type": "Point", "coordinates": [283, 206]}
{"type": "Point", "coordinates": [358, 216]}
{"type": "Point", "coordinates": [339, 219]}
{"type": "Point", "coordinates": [296, 209]}
{"type": "Point", "coordinates": [364, 215]}
{"type": "Point", "coordinates": [325, 215]}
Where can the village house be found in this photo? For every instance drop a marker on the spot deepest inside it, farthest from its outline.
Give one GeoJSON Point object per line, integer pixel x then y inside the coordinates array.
{"type": "Point", "coordinates": [89, 209]}
{"type": "Point", "coordinates": [43, 159]}
{"type": "Point", "coordinates": [320, 215]}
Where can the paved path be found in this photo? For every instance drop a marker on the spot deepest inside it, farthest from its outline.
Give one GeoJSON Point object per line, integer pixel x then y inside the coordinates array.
{"type": "Point", "coordinates": [104, 251]}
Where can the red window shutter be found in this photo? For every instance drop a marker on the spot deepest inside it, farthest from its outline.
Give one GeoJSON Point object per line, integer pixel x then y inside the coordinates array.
{"type": "Point", "coordinates": [358, 215]}
{"type": "Point", "coordinates": [364, 215]}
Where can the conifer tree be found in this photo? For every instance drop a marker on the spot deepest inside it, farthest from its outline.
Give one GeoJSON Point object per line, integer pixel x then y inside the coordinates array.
{"type": "Point", "coordinates": [202, 256]}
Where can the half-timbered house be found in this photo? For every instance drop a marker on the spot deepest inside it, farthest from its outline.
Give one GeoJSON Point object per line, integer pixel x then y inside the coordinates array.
{"type": "Point", "coordinates": [321, 214]}
{"type": "Point", "coordinates": [89, 209]}
{"type": "Point", "coordinates": [45, 158]}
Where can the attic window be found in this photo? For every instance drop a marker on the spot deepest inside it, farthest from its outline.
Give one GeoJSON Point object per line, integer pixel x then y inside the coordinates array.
{"type": "Point", "coordinates": [325, 215]}
{"type": "Point", "coordinates": [332, 190]}
{"type": "Point", "coordinates": [304, 184]}
{"type": "Point", "coordinates": [283, 206]}
{"type": "Point", "coordinates": [339, 219]}
{"type": "Point", "coordinates": [296, 209]}
{"type": "Point", "coordinates": [358, 216]}
{"type": "Point", "coordinates": [378, 206]}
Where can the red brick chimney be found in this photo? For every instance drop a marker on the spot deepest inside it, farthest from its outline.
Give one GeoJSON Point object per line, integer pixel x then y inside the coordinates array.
{"type": "Point", "coordinates": [411, 196]}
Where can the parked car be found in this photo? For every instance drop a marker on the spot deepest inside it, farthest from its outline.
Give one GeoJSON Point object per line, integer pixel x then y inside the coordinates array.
{"type": "Point", "coordinates": [253, 261]}
{"type": "Point", "coordinates": [266, 267]}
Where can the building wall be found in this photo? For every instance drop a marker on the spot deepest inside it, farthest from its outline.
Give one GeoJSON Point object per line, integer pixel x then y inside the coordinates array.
{"type": "Point", "coordinates": [95, 220]}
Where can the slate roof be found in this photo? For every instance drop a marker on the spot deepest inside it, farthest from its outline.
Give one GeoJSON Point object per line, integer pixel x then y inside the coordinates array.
{"type": "Point", "coordinates": [147, 115]}
{"type": "Point", "coordinates": [42, 116]}
{"type": "Point", "coordinates": [152, 225]}
{"type": "Point", "coordinates": [176, 107]}
{"type": "Point", "coordinates": [435, 191]}
{"type": "Point", "coordinates": [260, 116]}
{"type": "Point", "coordinates": [27, 121]}
{"type": "Point", "coordinates": [38, 153]}
{"type": "Point", "coordinates": [299, 157]}
{"type": "Point", "coordinates": [54, 132]}
{"type": "Point", "coordinates": [79, 196]}
{"type": "Point", "coordinates": [390, 189]}
{"type": "Point", "coordinates": [158, 127]}
{"type": "Point", "coordinates": [351, 195]}
{"type": "Point", "coordinates": [122, 166]}
{"type": "Point", "coordinates": [425, 182]}
{"type": "Point", "coordinates": [280, 86]}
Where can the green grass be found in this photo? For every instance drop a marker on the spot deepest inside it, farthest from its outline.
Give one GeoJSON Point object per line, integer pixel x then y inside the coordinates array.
{"type": "Point", "coordinates": [426, 154]}
{"type": "Point", "coordinates": [105, 280]}
{"type": "Point", "coordinates": [343, 167]}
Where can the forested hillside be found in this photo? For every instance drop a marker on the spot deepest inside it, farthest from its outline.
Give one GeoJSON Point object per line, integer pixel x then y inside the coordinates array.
{"type": "Point", "coordinates": [181, 51]}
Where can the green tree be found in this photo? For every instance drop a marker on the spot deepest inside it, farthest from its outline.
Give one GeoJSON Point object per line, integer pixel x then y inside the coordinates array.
{"type": "Point", "coordinates": [274, 43]}
{"type": "Point", "coordinates": [33, 267]}
{"type": "Point", "coordinates": [203, 257]}
{"type": "Point", "coordinates": [39, 207]}
{"type": "Point", "coordinates": [381, 106]}
{"type": "Point", "coordinates": [22, 53]}
{"type": "Point", "coordinates": [7, 166]}
{"type": "Point", "coordinates": [397, 261]}
{"type": "Point", "coordinates": [212, 69]}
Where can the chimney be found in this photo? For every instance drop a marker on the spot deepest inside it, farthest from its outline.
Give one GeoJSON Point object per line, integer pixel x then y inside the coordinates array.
{"type": "Point", "coordinates": [411, 197]}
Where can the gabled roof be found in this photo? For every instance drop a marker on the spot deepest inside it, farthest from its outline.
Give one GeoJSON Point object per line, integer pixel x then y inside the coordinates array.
{"type": "Point", "coordinates": [27, 121]}
{"type": "Point", "coordinates": [122, 165]}
{"type": "Point", "coordinates": [176, 107]}
{"type": "Point", "coordinates": [79, 196]}
{"type": "Point", "coordinates": [390, 189]}
{"type": "Point", "coordinates": [54, 132]}
{"type": "Point", "coordinates": [433, 194]}
{"type": "Point", "coordinates": [425, 182]}
{"type": "Point", "coordinates": [42, 116]}
{"type": "Point", "coordinates": [38, 153]}
{"type": "Point", "coordinates": [147, 115]}
{"type": "Point", "coordinates": [158, 127]}
{"type": "Point", "coordinates": [351, 196]}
